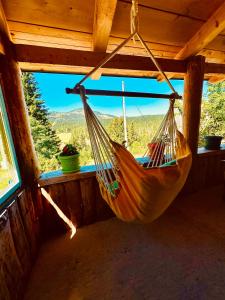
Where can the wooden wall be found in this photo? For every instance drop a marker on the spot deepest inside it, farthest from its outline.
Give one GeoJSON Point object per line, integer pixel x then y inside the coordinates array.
{"type": "Point", "coordinates": [206, 171]}
{"type": "Point", "coordinates": [80, 199]}
{"type": "Point", "coordinates": [19, 243]}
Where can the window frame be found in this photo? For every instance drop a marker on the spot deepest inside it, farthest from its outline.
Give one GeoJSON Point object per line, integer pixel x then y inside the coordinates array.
{"type": "Point", "coordinates": [7, 128]}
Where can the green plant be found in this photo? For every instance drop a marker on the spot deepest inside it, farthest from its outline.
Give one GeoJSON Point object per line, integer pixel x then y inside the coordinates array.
{"type": "Point", "coordinates": [69, 150]}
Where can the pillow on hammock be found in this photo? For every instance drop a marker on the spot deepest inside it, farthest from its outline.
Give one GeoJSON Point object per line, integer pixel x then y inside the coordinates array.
{"type": "Point", "coordinates": [169, 163]}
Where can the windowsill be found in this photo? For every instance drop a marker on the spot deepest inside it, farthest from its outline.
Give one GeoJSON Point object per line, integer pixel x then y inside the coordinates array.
{"type": "Point", "coordinates": [53, 177]}
{"type": "Point", "coordinates": [205, 152]}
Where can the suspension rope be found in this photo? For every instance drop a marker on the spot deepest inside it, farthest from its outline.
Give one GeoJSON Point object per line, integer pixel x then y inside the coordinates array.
{"type": "Point", "coordinates": [134, 24]}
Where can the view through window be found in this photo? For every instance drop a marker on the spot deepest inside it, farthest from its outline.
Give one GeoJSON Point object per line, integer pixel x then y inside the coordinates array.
{"type": "Point", "coordinates": [57, 118]}
{"type": "Point", "coordinates": [9, 178]}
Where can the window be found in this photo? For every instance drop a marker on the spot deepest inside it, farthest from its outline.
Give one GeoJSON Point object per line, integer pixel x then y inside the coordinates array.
{"type": "Point", "coordinates": [9, 173]}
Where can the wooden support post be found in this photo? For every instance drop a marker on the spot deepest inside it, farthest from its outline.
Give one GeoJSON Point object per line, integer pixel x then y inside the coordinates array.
{"type": "Point", "coordinates": [16, 107]}
{"type": "Point", "coordinates": [192, 100]}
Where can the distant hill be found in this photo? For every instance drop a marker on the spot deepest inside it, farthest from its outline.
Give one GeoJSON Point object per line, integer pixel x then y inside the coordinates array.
{"type": "Point", "coordinates": [64, 121]}
{"type": "Point", "coordinates": [75, 116]}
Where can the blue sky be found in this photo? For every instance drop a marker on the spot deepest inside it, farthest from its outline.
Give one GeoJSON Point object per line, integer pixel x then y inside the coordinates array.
{"type": "Point", "coordinates": [52, 88]}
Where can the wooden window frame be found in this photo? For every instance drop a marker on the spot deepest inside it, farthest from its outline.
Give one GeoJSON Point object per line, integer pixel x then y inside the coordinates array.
{"type": "Point", "coordinates": [17, 185]}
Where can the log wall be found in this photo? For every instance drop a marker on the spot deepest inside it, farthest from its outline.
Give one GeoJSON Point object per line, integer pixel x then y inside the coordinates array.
{"type": "Point", "coordinates": [19, 242]}
{"type": "Point", "coordinates": [79, 197]}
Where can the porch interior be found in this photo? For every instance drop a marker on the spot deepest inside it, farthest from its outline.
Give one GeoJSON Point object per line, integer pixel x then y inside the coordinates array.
{"type": "Point", "coordinates": [179, 256]}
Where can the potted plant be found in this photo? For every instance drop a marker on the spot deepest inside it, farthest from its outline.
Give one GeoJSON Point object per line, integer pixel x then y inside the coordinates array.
{"type": "Point", "coordinates": [212, 142]}
{"type": "Point", "coordinates": [69, 159]}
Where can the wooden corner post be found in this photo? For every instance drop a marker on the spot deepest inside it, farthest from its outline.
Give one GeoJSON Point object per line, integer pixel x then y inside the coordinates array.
{"type": "Point", "coordinates": [16, 107]}
{"type": "Point", "coordinates": [192, 100]}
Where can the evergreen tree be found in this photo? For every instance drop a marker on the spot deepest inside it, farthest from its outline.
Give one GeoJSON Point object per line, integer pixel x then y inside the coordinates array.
{"type": "Point", "coordinates": [45, 139]}
{"type": "Point", "coordinates": [213, 112]}
{"type": "Point", "coordinates": [116, 130]}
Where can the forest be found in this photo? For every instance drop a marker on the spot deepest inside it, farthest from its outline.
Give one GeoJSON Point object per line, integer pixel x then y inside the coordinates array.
{"type": "Point", "coordinates": [51, 130]}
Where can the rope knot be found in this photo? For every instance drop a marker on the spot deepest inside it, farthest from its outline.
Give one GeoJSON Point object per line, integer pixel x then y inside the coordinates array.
{"type": "Point", "coordinates": [82, 91]}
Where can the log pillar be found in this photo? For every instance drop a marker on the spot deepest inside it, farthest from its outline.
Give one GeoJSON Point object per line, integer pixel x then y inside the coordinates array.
{"type": "Point", "coordinates": [16, 107]}
{"type": "Point", "coordinates": [192, 100]}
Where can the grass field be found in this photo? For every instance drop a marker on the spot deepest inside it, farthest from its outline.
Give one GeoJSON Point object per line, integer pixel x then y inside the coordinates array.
{"type": "Point", "coordinates": [4, 179]}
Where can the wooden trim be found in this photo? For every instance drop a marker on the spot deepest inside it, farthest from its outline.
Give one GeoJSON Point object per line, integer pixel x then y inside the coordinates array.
{"type": "Point", "coordinates": [54, 177]}
{"type": "Point", "coordinates": [103, 18]}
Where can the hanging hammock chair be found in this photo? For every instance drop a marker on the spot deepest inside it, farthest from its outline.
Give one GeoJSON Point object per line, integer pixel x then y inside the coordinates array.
{"type": "Point", "coordinates": [135, 192]}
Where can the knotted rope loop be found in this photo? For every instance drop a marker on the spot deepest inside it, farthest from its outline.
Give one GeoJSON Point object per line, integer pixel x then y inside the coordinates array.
{"type": "Point", "coordinates": [134, 18]}
{"type": "Point", "coordinates": [83, 95]}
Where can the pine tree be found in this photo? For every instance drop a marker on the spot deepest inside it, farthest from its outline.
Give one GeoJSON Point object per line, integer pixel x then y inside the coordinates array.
{"type": "Point", "coordinates": [46, 141]}
{"type": "Point", "coordinates": [116, 130]}
{"type": "Point", "coordinates": [213, 112]}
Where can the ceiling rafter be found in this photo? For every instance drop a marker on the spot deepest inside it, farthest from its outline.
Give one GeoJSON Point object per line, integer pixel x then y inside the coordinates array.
{"type": "Point", "coordinates": [103, 18]}
{"type": "Point", "coordinates": [208, 31]}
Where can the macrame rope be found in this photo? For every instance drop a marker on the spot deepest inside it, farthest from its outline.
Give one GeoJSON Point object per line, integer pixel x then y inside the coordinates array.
{"type": "Point", "coordinates": [134, 18]}
{"type": "Point", "coordinates": [134, 33]}
{"type": "Point", "coordinates": [164, 142]}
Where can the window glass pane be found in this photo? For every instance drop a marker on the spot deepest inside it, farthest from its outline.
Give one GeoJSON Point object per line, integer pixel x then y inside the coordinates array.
{"type": "Point", "coordinates": [9, 176]}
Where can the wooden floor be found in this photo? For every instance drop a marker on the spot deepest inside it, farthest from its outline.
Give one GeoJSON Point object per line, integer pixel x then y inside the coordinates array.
{"type": "Point", "coordinates": [179, 256]}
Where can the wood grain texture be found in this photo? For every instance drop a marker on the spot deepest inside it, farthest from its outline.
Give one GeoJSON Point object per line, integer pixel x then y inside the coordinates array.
{"type": "Point", "coordinates": [207, 33]}
{"type": "Point", "coordinates": [68, 57]}
{"type": "Point", "coordinates": [103, 19]}
{"type": "Point", "coordinates": [192, 101]}
{"type": "Point", "coordinates": [20, 238]}
{"type": "Point", "coordinates": [18, 246]}
{"type": "Point", "coordinates": [88, 200]}
{"type": "Point", "coordinates": [10, 266]}
{"type": "Point", "coordinates": [30, 220]}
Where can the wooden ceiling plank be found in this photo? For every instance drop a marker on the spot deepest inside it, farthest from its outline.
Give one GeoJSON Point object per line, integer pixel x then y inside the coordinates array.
{"type": "Point", "coordinates": [216, 79]}
{"type": "Point", "coordinates": [103, 18]}
{"type": "Point", "coordinates": [4, 30]}
{"type": "Point", "coordinates": [209, 30]}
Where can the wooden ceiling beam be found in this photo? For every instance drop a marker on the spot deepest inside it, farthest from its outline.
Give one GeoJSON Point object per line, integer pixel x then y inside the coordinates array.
{"type": "Point", "coordinates": [36, 58]}
{"type": "Point", "coordinates": [103, 18]}
{"type": "Point", "coordinates": [68, 57]}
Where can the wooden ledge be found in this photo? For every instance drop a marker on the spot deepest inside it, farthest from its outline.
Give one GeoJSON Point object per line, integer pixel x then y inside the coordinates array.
{"type": "Point", "coordinates": [55, 177]}
{"type": "Point", "coordinates": [58, 176]}
{"type": "Point", "coordinates": [204, 152]}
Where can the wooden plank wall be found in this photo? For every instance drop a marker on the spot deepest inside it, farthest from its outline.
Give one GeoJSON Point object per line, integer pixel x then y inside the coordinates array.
{"type": "Point", "coordinates": [19, 243]}
{"type": "Point", "coordinates": [81, 201]}
{"type": "Point", "coordinates": [206, 172]}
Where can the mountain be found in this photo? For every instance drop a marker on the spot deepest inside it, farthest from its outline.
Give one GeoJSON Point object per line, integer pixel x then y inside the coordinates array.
{"type": "Point", "coordinates": [75, 116]}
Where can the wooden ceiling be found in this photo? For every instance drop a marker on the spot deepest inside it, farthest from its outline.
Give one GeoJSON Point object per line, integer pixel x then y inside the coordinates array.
{"type": "Point", "coordinates": [168, 26]}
